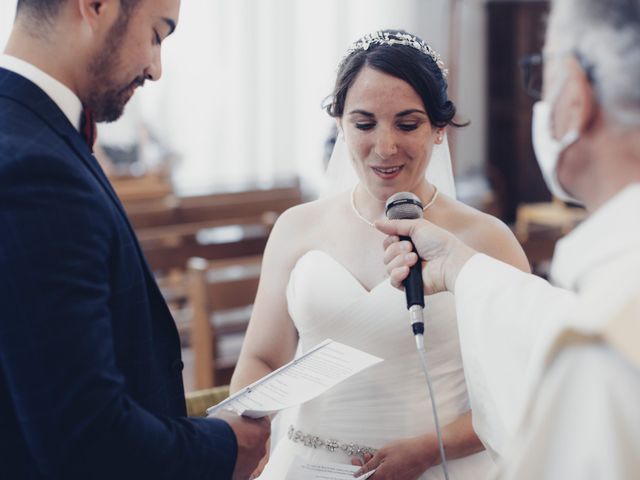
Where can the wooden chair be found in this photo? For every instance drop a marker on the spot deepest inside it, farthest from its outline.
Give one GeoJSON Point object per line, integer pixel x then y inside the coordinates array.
{"type": "Point", "coordinates": [221, 295]}
{"type": "Point", "coordinates": [553, 214]}
{"type": "Point", "coordinates": [539, 226]}
{"type": "Point", "coordinates": [200, 400]}
{"type": "Point", "coordinates": [169, 248]}
{"type": "Point", "coordinates": [174, 290]}
{"type": "Point", "coordinates": [214, 227]}
{"type": "Point", "coordinates": [146, 189]}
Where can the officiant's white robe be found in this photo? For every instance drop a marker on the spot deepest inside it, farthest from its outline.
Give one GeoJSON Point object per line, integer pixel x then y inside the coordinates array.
{"type": "Point", "coordinates": [554, 372]}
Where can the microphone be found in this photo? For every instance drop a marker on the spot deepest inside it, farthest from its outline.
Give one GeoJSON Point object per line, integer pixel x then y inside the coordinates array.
{"type": "Point", "coordinates": [407, 206]}
{"type": "Point", "coordinates": [402, 206]}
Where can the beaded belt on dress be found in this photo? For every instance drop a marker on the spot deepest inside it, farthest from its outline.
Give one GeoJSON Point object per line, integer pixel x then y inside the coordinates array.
{"type": "Point", "coordinates": [308, 440]}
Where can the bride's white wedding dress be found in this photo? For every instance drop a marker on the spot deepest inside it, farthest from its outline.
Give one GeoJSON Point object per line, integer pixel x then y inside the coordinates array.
{"type": "Point", "coordinates": [388, 401]}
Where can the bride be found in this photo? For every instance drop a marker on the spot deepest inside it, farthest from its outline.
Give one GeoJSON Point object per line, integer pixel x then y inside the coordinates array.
{"type": "Point", "coordinates": [323, 276]}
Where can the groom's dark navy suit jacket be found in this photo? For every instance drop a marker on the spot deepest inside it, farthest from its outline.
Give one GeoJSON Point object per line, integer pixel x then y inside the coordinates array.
{"type": "Point", "coordinates": [90, 369]}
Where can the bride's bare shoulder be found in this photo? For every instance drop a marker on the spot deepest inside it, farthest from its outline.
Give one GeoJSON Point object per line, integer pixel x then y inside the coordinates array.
{"type": "Point", "coordinates": [308, 215]}
{"type": "Point", "coordinates": [298, 229]}
{"type": "Point", "coordinates": [485, 233]}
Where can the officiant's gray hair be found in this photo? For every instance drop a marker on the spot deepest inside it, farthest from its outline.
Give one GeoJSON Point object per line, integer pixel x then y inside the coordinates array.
{"type": "Point", "coordinates": [606, 35]}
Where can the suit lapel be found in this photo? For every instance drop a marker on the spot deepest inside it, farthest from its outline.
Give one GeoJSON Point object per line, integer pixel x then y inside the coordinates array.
{"type": "Point", "coordinates": [32, 97]}
{"type": "Point", "coordinates": [29, 95]}
{"type": "Point", "coordinates": [77, 143]}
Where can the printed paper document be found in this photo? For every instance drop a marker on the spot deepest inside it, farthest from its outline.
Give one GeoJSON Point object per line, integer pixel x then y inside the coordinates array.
{"type": "Point", "coordinates": [299, 381]}
{"type": "Point", "coordinates": [328, 471]}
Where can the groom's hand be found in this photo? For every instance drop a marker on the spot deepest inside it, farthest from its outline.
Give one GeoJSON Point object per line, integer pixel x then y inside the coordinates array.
{"type": "Point", "coordinates": [251, 436]}
{"type": "Point", "coordinates": [444, 255]}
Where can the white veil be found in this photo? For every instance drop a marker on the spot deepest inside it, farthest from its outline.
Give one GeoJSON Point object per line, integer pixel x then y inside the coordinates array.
{"type": "Point", "coordinates": [341, 176]}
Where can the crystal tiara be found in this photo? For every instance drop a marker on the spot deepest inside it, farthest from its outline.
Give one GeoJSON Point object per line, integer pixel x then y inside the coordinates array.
{"type": "Point", "coordinates": [389, 38]}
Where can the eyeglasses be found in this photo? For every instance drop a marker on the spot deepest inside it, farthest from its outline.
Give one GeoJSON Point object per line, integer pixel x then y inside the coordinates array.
{"type": "Point", "coordinates": [533, 69]}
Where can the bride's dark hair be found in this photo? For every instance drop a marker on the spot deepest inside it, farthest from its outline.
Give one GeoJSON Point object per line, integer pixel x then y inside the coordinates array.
{"type": "Point", "coordinates": [405, 62]}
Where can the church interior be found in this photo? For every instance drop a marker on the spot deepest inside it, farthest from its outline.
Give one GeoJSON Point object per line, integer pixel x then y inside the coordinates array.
{"type": "Point", "coordinates": [234, 134]}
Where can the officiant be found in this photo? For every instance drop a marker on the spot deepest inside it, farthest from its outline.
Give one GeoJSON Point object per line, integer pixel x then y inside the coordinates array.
{"type": "Point", "coordinates": [553, 369]}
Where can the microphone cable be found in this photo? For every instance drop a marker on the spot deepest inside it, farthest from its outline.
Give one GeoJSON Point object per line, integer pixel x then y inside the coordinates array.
{"type": "Point", "coordinates": [423, 361]}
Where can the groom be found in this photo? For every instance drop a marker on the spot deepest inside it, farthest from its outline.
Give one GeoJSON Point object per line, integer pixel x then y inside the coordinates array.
{"type": "Point", "coordinates": [554, 371]}
{"type": "Point", "coordinates": [90, 368]}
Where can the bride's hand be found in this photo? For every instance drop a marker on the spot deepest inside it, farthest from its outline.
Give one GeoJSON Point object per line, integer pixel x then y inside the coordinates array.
{"type": "Point", "coordinates": [258, 471]}
{"type": "Point", "coordinates": [404, 459]}
{"type": "Point", "coordinates": [443, 253]}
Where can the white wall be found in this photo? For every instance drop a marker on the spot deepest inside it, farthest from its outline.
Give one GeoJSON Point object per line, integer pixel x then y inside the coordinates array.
{"type": "Point", "coordinates": [7, 14]}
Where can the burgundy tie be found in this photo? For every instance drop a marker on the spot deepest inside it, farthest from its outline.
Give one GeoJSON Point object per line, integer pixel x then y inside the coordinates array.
{"type": "Point", "coordinates": [88, 128]}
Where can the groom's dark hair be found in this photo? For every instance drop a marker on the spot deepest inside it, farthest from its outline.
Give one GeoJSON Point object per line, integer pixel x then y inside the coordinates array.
{"type": "Point", "coordinates": [42, 9]}
{"type": "Point", "coordinates": [47, 10]}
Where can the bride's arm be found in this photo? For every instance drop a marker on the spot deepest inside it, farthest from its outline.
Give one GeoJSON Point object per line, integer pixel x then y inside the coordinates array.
{"type": "Point", "coordinates": [271, 337]}
{"type": "Point", "coordinates": [411, 457]}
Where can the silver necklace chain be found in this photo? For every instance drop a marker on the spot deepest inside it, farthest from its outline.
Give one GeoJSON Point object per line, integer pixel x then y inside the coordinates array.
{"type": "Point", "coordinates": [429, 204]}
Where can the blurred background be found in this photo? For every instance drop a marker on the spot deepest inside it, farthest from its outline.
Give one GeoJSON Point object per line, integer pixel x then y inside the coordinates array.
{"type": "Point", "coordinates": [234, 133]}
{"type": "Point", "coordinates": [244, 80]}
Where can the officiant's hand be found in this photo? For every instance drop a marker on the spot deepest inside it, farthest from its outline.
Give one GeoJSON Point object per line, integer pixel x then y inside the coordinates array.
{"type": "Point", "coordinates": [404, 459]}
{"type": "Point", "coordinates": [444, 255]}
{"type": "Point", "coordinates": [252, 436]}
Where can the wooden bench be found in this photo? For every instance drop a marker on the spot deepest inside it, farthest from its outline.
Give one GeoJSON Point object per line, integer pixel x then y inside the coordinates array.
{"type": "Point", "coordinates": [219, 206]}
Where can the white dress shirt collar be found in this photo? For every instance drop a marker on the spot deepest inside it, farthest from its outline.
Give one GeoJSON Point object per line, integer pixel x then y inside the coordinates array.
{"type": "Point", "coordinates": [66, 100]}
{"type": "Point", "coordinates": [614, 229]}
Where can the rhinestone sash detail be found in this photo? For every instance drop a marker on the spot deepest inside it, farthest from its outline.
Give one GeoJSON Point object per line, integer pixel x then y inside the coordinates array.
{"type": "Point", "coordinates": [314, 441]}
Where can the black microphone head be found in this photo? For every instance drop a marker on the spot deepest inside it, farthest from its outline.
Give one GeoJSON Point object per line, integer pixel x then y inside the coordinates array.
{"type": "Point", "coordinates": [402, 206]}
